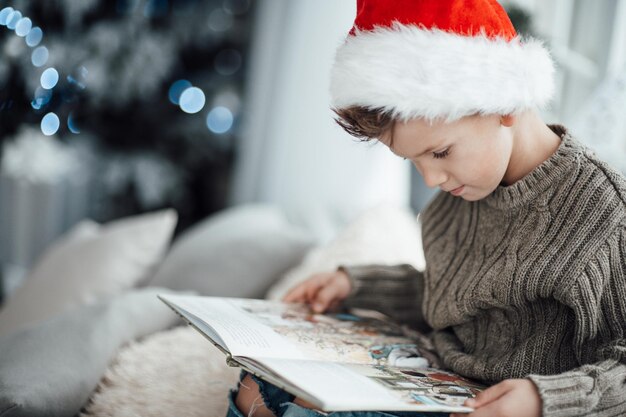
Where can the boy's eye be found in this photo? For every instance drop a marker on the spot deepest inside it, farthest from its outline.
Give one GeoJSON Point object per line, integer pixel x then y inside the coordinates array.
{"type": "Point", "coordinates": [441, 154]}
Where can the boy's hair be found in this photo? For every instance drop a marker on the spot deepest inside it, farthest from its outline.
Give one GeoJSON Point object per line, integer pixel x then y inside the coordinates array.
{"type": "Point", "coordinates": [364, 123]}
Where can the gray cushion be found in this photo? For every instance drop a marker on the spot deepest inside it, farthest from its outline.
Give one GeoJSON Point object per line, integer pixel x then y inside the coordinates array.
{"type": "Point", "coordinates": [239, 252]}
{"type": "Point", "coordinates": [51, 369]}
{"type": "Point", "coordinates": [89, 263]}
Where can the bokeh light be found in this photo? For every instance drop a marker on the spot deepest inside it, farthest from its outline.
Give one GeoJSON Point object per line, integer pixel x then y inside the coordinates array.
{"type": "Point", "coordinates": [34, 37]}
{"type": "Point", "coordinates": [219, 20]}
{"type": "Point", "coordinates": [71, 124]}
{"type": "Point", "coordinates": [49, 78]}
{"type": "Point", "coordinates": [75, 82]}
{"type": "Point", "coordinates": [227, 61]}
{"type": "Point", "coordinates": [4, 14]}
{"type": "Point", "coordinates": [13, 18]}
{"type": "Point", "coordinates": [42, 97]}
{"type": "Point", "coordinates": [219, 120]}
{"type": "Point", "coordinates": [23, 27]}
{"type": "Point", "coordinates": [229, 99]}
{"type": "Point", "coordinates": [176, 89]}
{"type": "Point", "coordinates": [79, 77]}
{"type": "Point", "coordinates": [50, 124]}
{"type": "Point", "coordinates": [192, 100]}
{"type": "Point", "coordinates": [39, 57]}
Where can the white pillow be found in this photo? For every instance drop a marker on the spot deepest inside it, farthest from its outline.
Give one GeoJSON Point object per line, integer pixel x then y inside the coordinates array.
{"type": "Point", "coordinates": [88, 263]}
{"type": "Point", "coordinates": [384, 235]}
{"type": "Point", "coordinates": [238, 252]}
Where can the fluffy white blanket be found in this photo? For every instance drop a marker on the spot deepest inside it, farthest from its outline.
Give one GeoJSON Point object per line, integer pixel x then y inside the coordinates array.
{"type": "Point", "coordinates": [170, 373]}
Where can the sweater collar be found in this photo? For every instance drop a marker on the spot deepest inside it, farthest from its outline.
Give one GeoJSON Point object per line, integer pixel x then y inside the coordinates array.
{"type": "Point", "coordinates": [539, 179]}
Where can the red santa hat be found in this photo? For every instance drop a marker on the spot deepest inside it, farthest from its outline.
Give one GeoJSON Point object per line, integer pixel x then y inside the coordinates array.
{"type": "Point", "coordinates": [439, 59]}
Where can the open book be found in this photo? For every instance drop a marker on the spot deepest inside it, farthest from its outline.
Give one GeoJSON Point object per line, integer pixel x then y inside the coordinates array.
{"type": "Point", "coordinates": [356, 360]}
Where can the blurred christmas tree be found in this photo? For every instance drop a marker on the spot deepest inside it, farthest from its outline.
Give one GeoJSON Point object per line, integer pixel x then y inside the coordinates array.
{"type": "Point", "coordinates": [522, 19]}
{"type": "Point", "coordinates": [152, 88]}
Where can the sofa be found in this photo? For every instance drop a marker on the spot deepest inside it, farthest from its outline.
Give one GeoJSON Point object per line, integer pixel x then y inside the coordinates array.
{"type": "Point", "coordinates": [86, 335]}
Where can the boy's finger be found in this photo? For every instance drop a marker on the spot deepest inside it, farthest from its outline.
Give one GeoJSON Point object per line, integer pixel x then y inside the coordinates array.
{"type": "Point", "coordinates": [492, 409]}
{"type": "Point", "coordinates": [300, 292]}
{"type": "Point", "coordinates": [334, 305]}
{"type": "Point", "coordinates": [312, 289]}
{"type": "Point", "coordinates": [294, 294]}
{"type": "Point", "coordinates": [325, 296]}
{"type": "Point", "coordinates": [489, 395]}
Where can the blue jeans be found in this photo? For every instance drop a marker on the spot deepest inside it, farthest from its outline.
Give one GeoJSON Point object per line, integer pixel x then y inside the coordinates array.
{"type": "Point", "coordinates": [281, 404]}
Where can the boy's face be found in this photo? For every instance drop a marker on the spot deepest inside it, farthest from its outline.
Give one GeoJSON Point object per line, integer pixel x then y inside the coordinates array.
{"type": "Point", "coordinates": [472, 153]}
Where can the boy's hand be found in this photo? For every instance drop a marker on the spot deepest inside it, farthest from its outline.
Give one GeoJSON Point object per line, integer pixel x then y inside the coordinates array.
{"type": "Point", "coordinates": [509, 398]}
{"type": "Point", "coordinates": [321, 291]}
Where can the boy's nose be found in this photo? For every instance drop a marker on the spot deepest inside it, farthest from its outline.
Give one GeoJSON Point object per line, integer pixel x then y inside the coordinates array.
{"type": "Point", "coordinates": [433, 178]}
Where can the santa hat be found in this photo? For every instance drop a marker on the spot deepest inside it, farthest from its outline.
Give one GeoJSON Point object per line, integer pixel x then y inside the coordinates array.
{"type": "Point", "coordinates": [439, 59]}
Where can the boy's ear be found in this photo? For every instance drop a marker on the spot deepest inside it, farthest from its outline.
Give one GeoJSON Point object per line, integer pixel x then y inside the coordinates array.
{"type": "Point", "coordinates": [508, 120]}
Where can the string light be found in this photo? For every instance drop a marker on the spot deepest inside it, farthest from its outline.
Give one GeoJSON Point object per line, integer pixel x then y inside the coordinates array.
{"type": "Point", "coordinates": [50, 124]}
{"type": "Point", "coordinates": [192, 100]}
{"type": "Point", "coordinates": [23, 27]}
{"type": "Point", "coordinates": [39, 57]}
{"type": "Point", "coordinates": [49, 78]}
{"type": "Point", "coordinates": [219, 120]}
{"type": "Point", "coordinates": [34, 37]}
{"type": "Point", "coordinates": [176, 89]}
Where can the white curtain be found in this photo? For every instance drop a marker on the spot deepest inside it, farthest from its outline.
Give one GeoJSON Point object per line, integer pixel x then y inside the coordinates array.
{"type": "Point", "coordinates": [588, 42]}
{"type": "Point", "coordinates": [292, 153]}
{"type": "Point", "coordinates": [600, 123]}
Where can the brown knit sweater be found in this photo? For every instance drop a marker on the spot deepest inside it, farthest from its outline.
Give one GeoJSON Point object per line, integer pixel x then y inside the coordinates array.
{"type": "Point", "coordinates": [529, 282]}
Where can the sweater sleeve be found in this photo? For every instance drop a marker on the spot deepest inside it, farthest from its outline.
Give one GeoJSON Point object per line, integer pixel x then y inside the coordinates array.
{"type": "Point", "coordinates": [394, 290]}
{"type": "Point", "coordinates": [598, 300]}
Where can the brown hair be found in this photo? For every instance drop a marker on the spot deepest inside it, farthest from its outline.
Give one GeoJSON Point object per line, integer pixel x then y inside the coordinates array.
{"type": "Point", "coordinates": [363, 123]}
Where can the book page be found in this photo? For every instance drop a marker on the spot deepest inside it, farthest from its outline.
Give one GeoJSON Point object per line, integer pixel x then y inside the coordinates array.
{"type": "Point", "coordinates": [356, 336]}
{"type": "Point", "coordinates": [261, 328]}
{"type": "Point", "coordinates": [355, 387]}
{"type": "Point", "coordinates": [228, 323]}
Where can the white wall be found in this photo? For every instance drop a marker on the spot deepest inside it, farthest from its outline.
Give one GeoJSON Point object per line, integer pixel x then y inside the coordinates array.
{"type": "Point", "coordinates": [292, 153]}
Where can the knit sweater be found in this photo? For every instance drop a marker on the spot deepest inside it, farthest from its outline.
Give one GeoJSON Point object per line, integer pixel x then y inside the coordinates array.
{"type": "Point", "coordinates": [529, 282]}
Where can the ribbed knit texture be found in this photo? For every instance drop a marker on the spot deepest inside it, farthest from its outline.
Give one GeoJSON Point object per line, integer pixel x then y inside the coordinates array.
{"type": "Point", "coordinates": [527, 282]}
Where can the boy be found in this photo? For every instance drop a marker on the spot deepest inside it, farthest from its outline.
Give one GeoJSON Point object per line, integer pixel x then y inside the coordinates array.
{"type": "Point", "coordinates": [525, 247]}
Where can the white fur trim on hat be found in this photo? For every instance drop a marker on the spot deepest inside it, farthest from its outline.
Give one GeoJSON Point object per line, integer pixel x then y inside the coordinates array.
{"type": "Point", "coordinates": [412, 72]}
